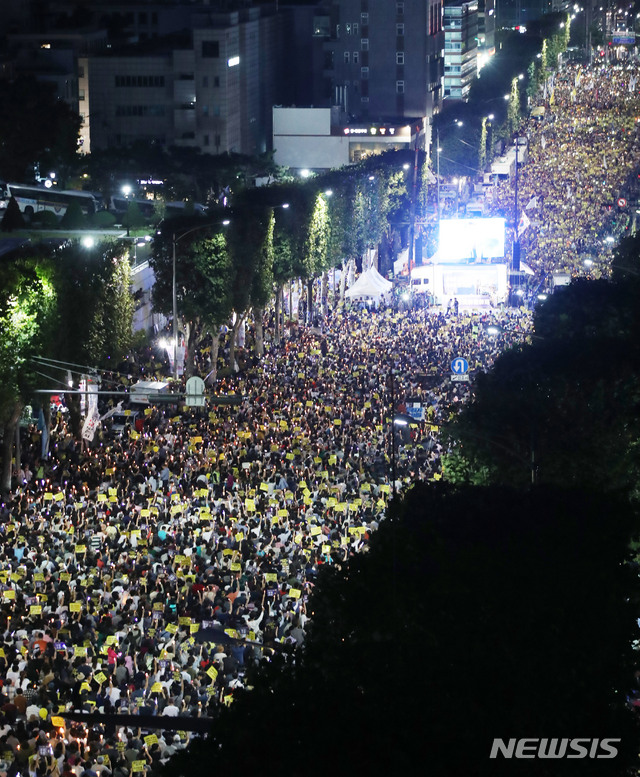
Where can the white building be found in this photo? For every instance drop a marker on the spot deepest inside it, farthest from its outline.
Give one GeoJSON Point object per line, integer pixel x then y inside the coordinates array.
{"type": "Point", "coordinates": [307, 138]}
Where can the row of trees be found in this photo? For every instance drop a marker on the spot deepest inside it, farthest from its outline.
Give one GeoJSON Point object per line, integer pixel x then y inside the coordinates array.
{"type": "Point", "coordinates": [73, 306]}
{"type": "Point", "coordinates": [274, 235]}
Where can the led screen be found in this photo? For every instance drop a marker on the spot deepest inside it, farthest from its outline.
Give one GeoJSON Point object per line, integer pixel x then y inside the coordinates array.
{"type": "Point", "coordinates": [470, 239]}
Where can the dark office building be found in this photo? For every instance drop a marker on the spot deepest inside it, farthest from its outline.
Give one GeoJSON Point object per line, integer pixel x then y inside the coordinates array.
{"type": "Point", "coordinates": [386, 58]}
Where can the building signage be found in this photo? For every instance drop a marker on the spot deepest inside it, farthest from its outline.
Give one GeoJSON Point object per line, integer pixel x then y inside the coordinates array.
{"type": "Point", "coordinates": [623, 38]}
{"type": "Point", "coordinates": [369, 130]}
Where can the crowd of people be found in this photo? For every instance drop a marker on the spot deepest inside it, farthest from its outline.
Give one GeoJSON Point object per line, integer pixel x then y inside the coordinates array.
{"type": "Point", "coordinates": [144, 572]}
{"type": "Point", "coordinates": [582, 162]}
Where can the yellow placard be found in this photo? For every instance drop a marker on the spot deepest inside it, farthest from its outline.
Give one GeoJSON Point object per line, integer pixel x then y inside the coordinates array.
{"type": "Point", "coordinates": [294, 593]}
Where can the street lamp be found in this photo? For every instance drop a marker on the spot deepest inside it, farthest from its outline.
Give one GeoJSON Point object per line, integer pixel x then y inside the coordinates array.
{"type": "Point", "coordinates": [174, 286]}
{"type": "Point", "coordinates": [126, 191]}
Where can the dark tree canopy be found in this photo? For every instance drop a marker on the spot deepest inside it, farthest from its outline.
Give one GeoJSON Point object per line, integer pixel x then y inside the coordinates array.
{"type": "Point", "coordinates": [566, 405]}
{"type": "Point", "coordinates": [477, 613]}
{"type": "Point", "coordinates": [39, 128]}
{"type": "Point", "coordinates": [12, 218]}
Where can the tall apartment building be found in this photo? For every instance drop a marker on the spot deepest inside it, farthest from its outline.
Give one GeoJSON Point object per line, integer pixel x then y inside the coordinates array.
{"type": "Point", "coordinates": [211, 87]}
{"type": "Point", "coordinates": [385, 58]}
{"type": "Point", "coordinates": [460, 48]}
{"type": "Point", "coordinates": [486, 31]}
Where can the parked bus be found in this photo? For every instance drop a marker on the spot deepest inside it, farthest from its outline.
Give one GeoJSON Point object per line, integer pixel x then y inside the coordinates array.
{"type": "Point", "coordinates": [119, 205]}
{"type": "Point", "coordinates": [33, 199]}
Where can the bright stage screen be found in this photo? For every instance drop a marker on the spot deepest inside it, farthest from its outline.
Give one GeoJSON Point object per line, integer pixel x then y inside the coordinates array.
{"type": "Point", "coordinates": [462, 239]}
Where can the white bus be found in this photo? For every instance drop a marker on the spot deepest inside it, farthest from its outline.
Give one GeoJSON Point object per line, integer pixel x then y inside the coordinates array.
{"type": "Point", "coordinates": [33, 199]}
{"type": "Point", "coordinates": [119, 205]}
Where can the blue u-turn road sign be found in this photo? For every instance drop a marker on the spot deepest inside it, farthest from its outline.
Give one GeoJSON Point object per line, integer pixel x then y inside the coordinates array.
{"type": "Point", "coordinates": [459, 366]}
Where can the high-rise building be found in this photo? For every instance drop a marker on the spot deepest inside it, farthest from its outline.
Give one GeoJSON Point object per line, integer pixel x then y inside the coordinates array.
{"type": "Point", "coordinates": [486, 31]}
{"type": "Point", "coordinates": [385, 58]}
{"type": "Point", "coordinates": [211, 87]}
{"type": "Point", "coordinates": [460, 48]}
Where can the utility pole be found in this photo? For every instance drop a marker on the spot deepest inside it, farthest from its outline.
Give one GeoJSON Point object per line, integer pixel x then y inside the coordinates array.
{"type": "Point", "coordinates": [515, 259]}
{"type": "Point", "coordinates": [393, 433]}
{"type": "Point", "coordinates": [438, 172]}
{"type": "Point", "coordinates": [412, 225]}
{"type": "Point", "coordinates": [174, 291]}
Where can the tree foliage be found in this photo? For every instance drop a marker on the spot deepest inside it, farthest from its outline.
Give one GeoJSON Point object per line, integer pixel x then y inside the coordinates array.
{"type": "Point", "coordinates": [563, 409]}
{"type": "Point", "coordinates": [94, 305]}
{"type": "Point", "coordinates": [27, 303]}
{"type": "Point", "coordinates": [38, 129]}
{"type": "Point", "coordinates": [477, 613]}
{"type": "Point", "coordinates": [12, 218]}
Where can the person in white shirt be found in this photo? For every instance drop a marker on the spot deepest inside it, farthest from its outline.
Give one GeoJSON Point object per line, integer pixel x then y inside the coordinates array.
{"type": "Point", "coordinates": [171, 710]}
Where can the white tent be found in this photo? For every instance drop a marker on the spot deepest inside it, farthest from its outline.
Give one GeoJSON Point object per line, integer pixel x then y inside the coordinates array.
{"type": "Point", "coordinates": [369, 284]}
